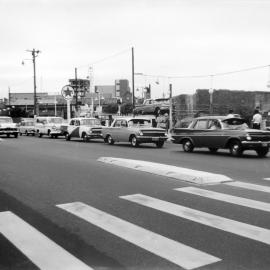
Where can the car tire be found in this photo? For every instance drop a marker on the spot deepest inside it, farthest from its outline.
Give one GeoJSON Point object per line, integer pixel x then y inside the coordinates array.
{"type": "Point", "coordinates": [67, 137]}
{"type": "Point", "coordinates": [262, 152]}
{"type": "Point", "coordinates": [188, 146]}
{"type": "Point", "coordinates": [159, 144]}
{"type": "Point", "coordinates": [213, 149]}
{"type": "Point", "coordinates": [15, 135]}
{"type": "Point", "coordinates": [84, 137]}
{"type": "Point", "coordinates": [26, 133]}
{"type": "Point", "coordinates": [110, 140]}
{"type": "Point", "coordinates": [236, 149]}
{"type": "Point", "coordinates": [134, 141]}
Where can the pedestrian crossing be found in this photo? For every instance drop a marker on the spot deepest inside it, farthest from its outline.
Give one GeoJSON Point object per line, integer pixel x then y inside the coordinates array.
{"type": "Point", "coordinates": [33, 243]}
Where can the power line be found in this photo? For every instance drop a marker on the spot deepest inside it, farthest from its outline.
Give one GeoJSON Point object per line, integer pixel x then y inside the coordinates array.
{"type": "Point", "coordinates": [105, 58]}
{"type": "Point", "coordinates": [205, 75]}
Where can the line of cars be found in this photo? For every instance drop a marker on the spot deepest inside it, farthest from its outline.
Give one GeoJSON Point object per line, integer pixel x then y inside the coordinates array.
{"type": "Point", "coordinates": [212, 132]}
{"type": "Point", "coordinates": [134, 130]}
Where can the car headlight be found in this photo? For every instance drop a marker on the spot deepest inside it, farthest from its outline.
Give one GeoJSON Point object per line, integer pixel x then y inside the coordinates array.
{"type": "Point", "coordinates": [140, 133]}
{"type": "Point", "coordinates": [89, 130]}
{"type": "Point", "coordinates": [248, 137]}
{"type": "Point", "coordinates": [54, 127]}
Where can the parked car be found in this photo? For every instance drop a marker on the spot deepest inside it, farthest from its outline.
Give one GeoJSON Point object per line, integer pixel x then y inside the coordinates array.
{"type": "Point", "coordinates": [85, 128]}
{"type": "Point", "coordinates": [48, 125]}
{"type": "Point", "coordinates": [7, 127]}
{"type": "Point", "coordinates": [153, 106]}
{"type": "Point", "coordinates": [134, 130]}
{"type": "Point", "coordinates": [216, 132]}
{"type": "Point", "coordinates": [27, 127]}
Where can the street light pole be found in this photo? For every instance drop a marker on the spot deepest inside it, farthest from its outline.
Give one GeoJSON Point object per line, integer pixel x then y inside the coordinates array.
{"type": "Point", "coordinates": [34, 55]}
{"type": "Point", "coordinates": [133, 95]}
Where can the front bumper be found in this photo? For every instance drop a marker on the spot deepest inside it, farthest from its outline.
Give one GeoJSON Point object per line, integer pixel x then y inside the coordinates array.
{"type": "Point", "coordinates": [150, 139]}
{"type": "Point", "coordinates": [3, 131]}
{"type": "Point", "coordinates": [255, 144]}
{"type": "Point", "coordinates": [94, 136]}
{"type": "Point", "coordinates": [56, 132]}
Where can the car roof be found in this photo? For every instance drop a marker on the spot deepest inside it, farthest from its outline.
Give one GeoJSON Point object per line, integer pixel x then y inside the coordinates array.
{"type": "Point", "coordinates": [132, 118]}
{"type": "Point", "coordinates": [82, 118]}
{"type": "Point", "coordinates": [217, 117]}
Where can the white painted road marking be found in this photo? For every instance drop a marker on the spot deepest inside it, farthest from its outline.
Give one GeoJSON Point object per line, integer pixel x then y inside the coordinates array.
{"type": "Point", "coordinates": [43, 252]}
{"type": "Point", "coordinates": [267, 178]}
{"type": "Point", "coordinates": [228, 225]}
{"type": "Point", "coordinates": [183, 174]}
{"type": "Point", "coordinates": [249, 186]}
{"type": "Point", "coordinates": [180, 254]}
{"type": "Point", "coordinates": [226, 198]}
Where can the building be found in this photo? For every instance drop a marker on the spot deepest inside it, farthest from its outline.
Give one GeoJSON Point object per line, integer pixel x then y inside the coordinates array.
{"type": "Point", "coordinates": [122, 90]}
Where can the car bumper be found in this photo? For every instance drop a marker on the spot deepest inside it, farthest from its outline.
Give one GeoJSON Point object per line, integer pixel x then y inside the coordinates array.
{"type": "Point", "coordinates": [145, 139]}
{"type": "Point", "coordinates": [94, 136]}
{"type": "Point", "coordinates": [8, 132]}
{"type": "Point", "coordinates": [56, 132]}
{"type": "Point", "coordinates": [253, 144]}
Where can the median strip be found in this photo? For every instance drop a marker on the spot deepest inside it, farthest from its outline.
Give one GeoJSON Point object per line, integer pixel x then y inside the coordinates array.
{"type": "Point", "coordinates": [179, 173]}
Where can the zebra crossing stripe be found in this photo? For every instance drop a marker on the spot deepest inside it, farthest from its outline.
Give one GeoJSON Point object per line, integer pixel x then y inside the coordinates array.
{"type": "Point", "coordinates": [180, 254]}
{"type": "Point", "coordinates": [228, 225]}
{"type": "Point", "coordinates": [226, 198]}
{"type": "Point", "coordinates": [43, 252]}
{"type": "Point", "coordinates": [249, 186]}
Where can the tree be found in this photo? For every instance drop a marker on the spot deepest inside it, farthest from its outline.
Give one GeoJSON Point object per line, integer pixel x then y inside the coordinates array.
{"type": "Point", "coordinates": [110, 108]}
{"type": "Point", "coordinates": [126, 108]}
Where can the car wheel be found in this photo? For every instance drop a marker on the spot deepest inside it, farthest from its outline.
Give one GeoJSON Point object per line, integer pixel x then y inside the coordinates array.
{"type": "Point", "coordinates": [84, 137]}
{"type": "Point", "coordinates": [236, 149]}
{"type": "Point", "coordinates": [52, 136]}
{"type": "Point", "coordinates": [188, 146]}
{"type": "Point", "coordinates": [262, 152]}
{"type": "Point", "coordinates": [213, 149]}
{"type": "Point", "coordinates": [15, 135]}
{"type": "Point", "coordinates": [159, 144]}
{"type": "Point", "coordinates": [67, 137]}
{"type": "Point", "coordinates": [26, 133]}
{"type": "Point", "coordinates": [110, 140]}
{"type": "Point", "coordinates": [40, 135]}
{"type": "Point", "coordinates": [134, 141]}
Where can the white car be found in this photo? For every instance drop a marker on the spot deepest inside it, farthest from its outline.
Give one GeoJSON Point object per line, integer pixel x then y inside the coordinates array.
{"type": "Point", "coordinates": [27, 127]}
{"type": "Point", "coordinates": [85, 128]}
{"type": "Point", "coordinates": [7, 127]}
{"type": "Point", "coordinates": [48, 125]}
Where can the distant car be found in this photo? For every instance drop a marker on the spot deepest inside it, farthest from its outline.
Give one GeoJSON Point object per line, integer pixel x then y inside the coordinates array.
{"type": "Point", "coordinates": [7, 127]}
{"type": "Point", "coordinates": [48, 125]}
{"type": "Point", "coordinates": [216, 132]}
{"type": "Point", "coordinates": [153, 106]}
{"type": "Point", "coordinates": [134, 130]}
{"type": "Point", "coordinates": [27, 127]}
{"type": "Point", "coordinates": [85, 128]}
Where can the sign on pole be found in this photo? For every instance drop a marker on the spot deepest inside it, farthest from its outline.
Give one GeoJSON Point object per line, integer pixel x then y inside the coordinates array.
{"type": "Point", "coordinates": [68, 93]}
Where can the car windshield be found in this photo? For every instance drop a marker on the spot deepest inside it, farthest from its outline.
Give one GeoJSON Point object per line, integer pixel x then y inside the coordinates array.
{"type": "Point", "coordinates": [90, 122]}
{"type": "Point", "coordinates": [234, 123]}
{"type": "Point", "coordinates": [139, 122]}
{"type": "Point", "coordinates": [56, 120]}
{"type": "Point", "coordinates": [6, 120]}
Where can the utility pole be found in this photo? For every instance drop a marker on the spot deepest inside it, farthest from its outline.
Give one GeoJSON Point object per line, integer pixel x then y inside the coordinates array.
{"type": "Point", "coordinates": [133, 95]}
{"type": "Point", "coordinates": [34, 55]}
{"type": "Point", "coordinates": [171, 106]}
{"type": "Point", "coordinates": [76, 91]}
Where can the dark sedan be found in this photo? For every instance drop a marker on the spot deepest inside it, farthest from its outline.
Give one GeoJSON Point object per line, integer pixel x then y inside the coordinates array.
{"type": "Point", "coordinates": [216, 132]}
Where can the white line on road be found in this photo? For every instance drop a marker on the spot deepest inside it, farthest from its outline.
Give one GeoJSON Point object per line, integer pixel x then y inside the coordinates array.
{"type": "Point", "coordinates": [180, 254]}
{"type": "Point", "coordinates": [226, 198]}
{"type": "Point", "coordinates": [43, 252]}
{"type": "Point", "coordinates": [249, 186]}
{"type": "Point", "coordinates": [267, 178]}
{"type": "Point", "coordinates": [179, 173]}
{"type": "Point", "coordinates": [228, 225]}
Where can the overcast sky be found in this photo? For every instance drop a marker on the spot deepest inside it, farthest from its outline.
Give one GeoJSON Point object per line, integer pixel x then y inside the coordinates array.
{"type": "Point", "coordinates": [170, 38]}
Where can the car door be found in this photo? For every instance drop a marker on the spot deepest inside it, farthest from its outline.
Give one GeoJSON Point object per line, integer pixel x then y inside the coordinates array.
{"type": "Point", "coordinates": [215, 138]}
{"type": "Point", "coordinates": [199, 133]}
{"type": "Point", "coordinates": [116, 130]}
{"type": "Point", "coordinates": [124, 131]}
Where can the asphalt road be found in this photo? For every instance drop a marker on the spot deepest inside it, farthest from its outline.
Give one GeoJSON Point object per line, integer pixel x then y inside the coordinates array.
{"type": "Point", "coordinates": [42, 179]}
